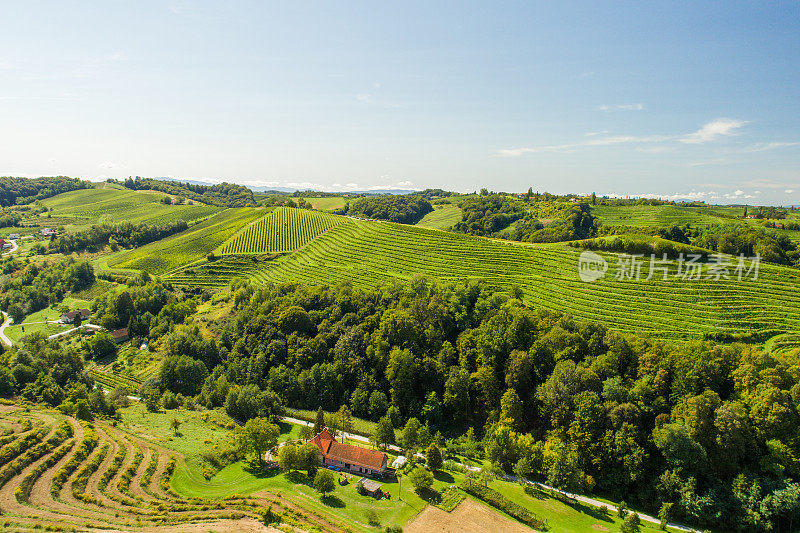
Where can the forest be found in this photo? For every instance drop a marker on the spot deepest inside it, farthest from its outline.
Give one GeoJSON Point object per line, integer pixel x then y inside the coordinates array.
{"type": "Point", "coordinates": [222, 194]}
{"type": "Point", "coordinates": [19, 191]}
{"type": "Point", "coordinates": [405, 209]}
{"type": "Point", "coordinates": [701, 431]}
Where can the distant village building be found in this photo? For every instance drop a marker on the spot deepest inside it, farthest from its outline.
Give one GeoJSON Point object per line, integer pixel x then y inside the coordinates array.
{"type": "Point", "coordinates": [69, 318]}
{"type": "Point", "coordinates": [119, 335]}
{"type": "Point", "coordinates": [47, 232]}
{"type": "Point", "coordinates": [348, 457]}
{"type": "Point", "coordinates": [14, 236]}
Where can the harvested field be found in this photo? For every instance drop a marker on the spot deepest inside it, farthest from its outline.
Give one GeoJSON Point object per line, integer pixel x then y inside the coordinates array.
{"type": "Point", "coordinates": [469, 517]}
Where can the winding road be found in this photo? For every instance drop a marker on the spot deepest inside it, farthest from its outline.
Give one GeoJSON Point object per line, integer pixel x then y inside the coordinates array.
{"type": "Point", "coordinates": [7, 321]}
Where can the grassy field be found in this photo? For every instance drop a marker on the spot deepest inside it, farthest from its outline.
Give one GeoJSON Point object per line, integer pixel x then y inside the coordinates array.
{"type": "Point", "coordinates": [330, 203]}
{"type": "Point", "coordinates": [661, 215]}
{"type": "Point", "coordinates": [79, 209]}
{"type": "Point", "coordinates": [442, 217]}
{"type": "Point", "coordinates": [368, 254]}
{"type": "Point", "coordinates": [188, 246]}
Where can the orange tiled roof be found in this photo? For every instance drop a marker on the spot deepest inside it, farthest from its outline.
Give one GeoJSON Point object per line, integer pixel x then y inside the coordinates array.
{"type": "Point", "coordinates": [348, 453]}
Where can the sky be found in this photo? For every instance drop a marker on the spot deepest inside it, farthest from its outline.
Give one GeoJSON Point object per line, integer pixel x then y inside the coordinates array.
{"type": "Point", "coordinates": [696, 100]}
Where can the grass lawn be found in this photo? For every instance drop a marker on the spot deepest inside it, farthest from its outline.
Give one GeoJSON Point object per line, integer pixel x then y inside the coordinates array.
{"type": "Point", "coordinates": [442, 217]}
{"type": "Point", "coordinates": [360, 425]}
{"type": "Point", "coordinates": [327, 204]}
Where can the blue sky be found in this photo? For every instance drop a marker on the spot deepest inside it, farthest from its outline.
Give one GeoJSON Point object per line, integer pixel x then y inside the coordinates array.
{"type": "Point", "coordinates": [673, 99]}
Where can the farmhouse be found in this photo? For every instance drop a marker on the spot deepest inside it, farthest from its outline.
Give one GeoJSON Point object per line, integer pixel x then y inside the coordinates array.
{"type": "Point", "coordinates": [14, 236]}
{"type": "Point", "coordinates": [119, 335]}
{"type": "Point", "coordinates": [69, 318]}
{"type": "Point", "coordinates": [349, 457]}
{"type": "Point", "coordinates": [47, 232]}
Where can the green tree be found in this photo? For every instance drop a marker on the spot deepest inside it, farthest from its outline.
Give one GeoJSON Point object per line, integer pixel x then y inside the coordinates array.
{"type": "Point", "coordinates": [324, 482]}
{"type": "Point", "coordinates": [456, 393]}
{"type": "Point", "coordinates": [420, 479]}
{"type": "Point", "coordinates": [257, 436]}
{"type": "Point", "coordinates": [101, 346]}
{"type": "Point", "coordinates": [151, 397]}
{"type": "Point", "coordinates": [175, 424]}
{"type": "Point", "coordinates": [384, 433]}
{"type": "Point", "coordinates": [511, 412]}
{"type": "Point", "coordinates": [288, 458]}
{"type": "Point", "coordinates": [409, 436]}
{"type": "Point", "coordinates": [631, 524]}
{"type": "Point", "coordinates": [433, 457]}
{"type": "Point", "coordinates": [345, 419]}
{"type": "Point", "coordinates": [319, 421]}
{"type": "Point", "coordinates": [82, 410]}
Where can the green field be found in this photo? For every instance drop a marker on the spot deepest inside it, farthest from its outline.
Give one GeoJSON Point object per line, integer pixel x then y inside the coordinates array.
{"type": "Point", "coordinates": [78, 209]}
{"type": "Point", "coordinates": [329, 203]}
{"type": "Point", "coordinates": [283, 230]}
{"type": "Point", "coordinates": [368, 254]}
{"type": "Point", "coordinates": [188, 246]}
{"type": "Point", "coordinates": [661, 215]}
{"type": "Point", "coordinates": [442, 217]}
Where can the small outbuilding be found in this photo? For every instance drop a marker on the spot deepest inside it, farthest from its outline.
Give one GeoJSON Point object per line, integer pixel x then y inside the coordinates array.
{"type": "Point", "coordinates": [399, 463]}
{"type": "Point", "coordinates": [369, 487]}
{"type": "Point", "coordinates": [69, 318]}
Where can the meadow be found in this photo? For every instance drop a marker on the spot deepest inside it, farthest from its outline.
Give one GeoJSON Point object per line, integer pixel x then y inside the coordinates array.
{"type": "Point", "coordinates": [329, 203]}
{"type": "Point", "coordinates": [79, 209]}
{"type": "Point", "coordinates": [443, 217]}
{"type": "Point", "coordinates": [662, 215]}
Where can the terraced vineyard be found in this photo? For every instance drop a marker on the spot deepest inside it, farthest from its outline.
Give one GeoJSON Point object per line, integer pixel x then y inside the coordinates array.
{"type": "Point", "coordinates": [283, 230]}
{"type": "Point", "coordinates": [188, 246]}
{"type": "Point", "coordinates": [660, 215]}
{"type": "Point", "coordinates": [59, 474]}
{"type": "Point", "coordinates": [368, 254]}
{"type": "Point", "coordinates": [85, 207]}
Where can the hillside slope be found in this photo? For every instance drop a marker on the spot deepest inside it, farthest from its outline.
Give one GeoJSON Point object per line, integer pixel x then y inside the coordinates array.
{"type": "Point", "coordinates": [368, 254]}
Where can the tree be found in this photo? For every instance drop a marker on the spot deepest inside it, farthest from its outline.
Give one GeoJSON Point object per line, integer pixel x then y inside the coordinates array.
{"type": "Point", "coordinates": [384, 433]}
{"type": "Point", "coordinates": [82, 410]}
{"type": "Point", "coordinates": [511, 412]}
{"type": "Point", "coordinates": [324, 482]}
{"type": "Point", "coordinates": [378, 403]}
{"type": "Point", "coordinates": [151, 397]}
{"type": "Point", "coordinates": [421, 479]}
{"type": "Point", "coordinates": [409, 437]}
{"type": "Point", "coordinates": [308, 458]}
{"type": "Point", "coordinates": [631, 524]}
{"type": "Point", "coordinates": [345, 419]}
{"type": "Point", "coordinates": [175, 424]}
{"type": "Point", "coordinates": [288, 458]}
{"type": "Point", "coordinates": [433, 457]}
{"type": "Point", "coordinates": [101, 345]}
{"type": "Point", "coordinates": [257, 436]}
{"type": "Point", "coordinates": [319, 421]}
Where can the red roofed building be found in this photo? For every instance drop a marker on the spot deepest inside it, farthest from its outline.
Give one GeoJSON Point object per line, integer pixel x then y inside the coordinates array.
{"type": "Point", "coordinates": [348, 457]}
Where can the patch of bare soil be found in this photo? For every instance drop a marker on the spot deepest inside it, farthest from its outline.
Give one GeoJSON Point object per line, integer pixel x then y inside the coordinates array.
{"type": "Point", "coordinates": [469, 517]}
{"type": "Point", "coordinates": [242, 525]}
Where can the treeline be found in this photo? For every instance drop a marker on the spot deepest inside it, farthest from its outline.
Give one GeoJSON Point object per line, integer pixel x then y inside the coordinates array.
{"type": "Point", "coordinates": [702, 432]}
{"type": "Point", "coordinates": [405, 209]}
{"type": "Point", "coordinates": [736, 238]}
{"type": "Point", "coordinates": [9, 219]}
{"type": "Point", "coordinates": [499, 215]}
{"type": "Point", "coordinates": [18, 191]}
{"type": "Point", "coordinates": [28, 288]}
{"type": "Point", "coordinates": [114, 234]}
{"type": "Point", "coordinates": [223, 194]}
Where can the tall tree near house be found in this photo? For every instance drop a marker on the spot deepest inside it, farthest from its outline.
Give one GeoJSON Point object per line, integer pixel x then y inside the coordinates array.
{"type": "Point", "coordinates": [345, 420]}
{"type": "Point", "coordinates": [319, 421]}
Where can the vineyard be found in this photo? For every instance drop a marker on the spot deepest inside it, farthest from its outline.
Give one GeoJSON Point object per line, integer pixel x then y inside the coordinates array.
{"type": "Point", "coordinates": [661, 215]}
{"type": "Point", "coordinates": [283, 230]}
{"type": "Point", "coordinates": [60, 474]}
{"type": "Point", "coordinates": [368, 254]}
{"type": "Point", "coordinates": [85, 207]}
{"type": "Point", "coordinates": [188, 246]}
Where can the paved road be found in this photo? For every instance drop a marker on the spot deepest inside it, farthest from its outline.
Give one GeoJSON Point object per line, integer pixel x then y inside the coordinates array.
{"type": "Point", "coordinates": [7, 320]}
{"type": "Point", "coordinates": [582, 499]}
{"type": "Point", "coordinates": [12, 249]}
{"type": "Point", "coordinates": [71, 330]}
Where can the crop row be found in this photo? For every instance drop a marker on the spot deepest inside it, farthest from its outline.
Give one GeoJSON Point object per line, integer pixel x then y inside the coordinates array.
{"type": "Point", "coordinates": [284, 230]}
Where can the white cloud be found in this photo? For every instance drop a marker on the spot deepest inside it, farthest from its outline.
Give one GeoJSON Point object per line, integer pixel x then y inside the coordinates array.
{"type": "Point", "coordinates": [620, 107]}
{"type": "Point", "coordinates": [405, 184]}
{"type": "Point", "coordinates": [109, 165]}
{"type": "Point", "coordinates": [364, 97]}
{"type": "Point", "coordinates": [763, 147]}
{"type": "Point", "coordinates": [711, 131]}
{"type": "Point", "coordinates": [789, 191]}
{"type": "Point", "coordinates": [739, 192]}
